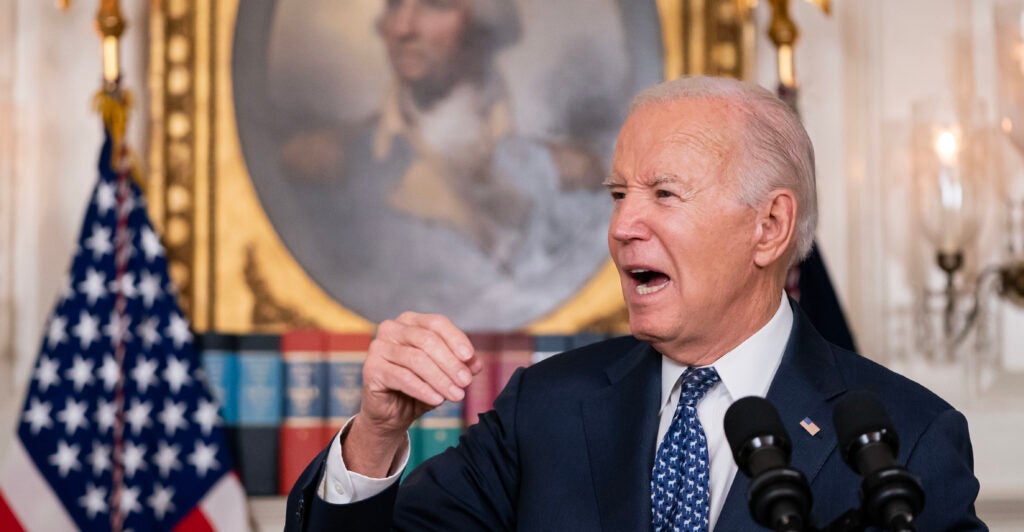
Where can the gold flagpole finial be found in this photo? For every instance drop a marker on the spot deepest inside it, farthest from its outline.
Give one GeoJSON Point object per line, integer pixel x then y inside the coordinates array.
{"type": "Point", "coordinates": [64, 5]}
{"type": "Point", "coordinates": [110, 25]}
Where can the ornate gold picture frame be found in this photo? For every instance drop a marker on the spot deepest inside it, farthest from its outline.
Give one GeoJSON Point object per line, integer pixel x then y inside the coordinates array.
{"type": "Point", "coordinates": [234, 271]}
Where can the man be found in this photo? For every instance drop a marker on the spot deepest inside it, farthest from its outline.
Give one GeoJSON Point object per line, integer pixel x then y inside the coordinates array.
{"type": "Point", "coordinates": [455, 199]}
{"type": "Point", "coordinates": [714, 198]}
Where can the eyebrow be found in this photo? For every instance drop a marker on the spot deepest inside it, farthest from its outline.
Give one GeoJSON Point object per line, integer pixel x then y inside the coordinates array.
{"type": "Point", "coordinates": [613, 180]}
{"type": "Point", "coordinates": [663, 179]}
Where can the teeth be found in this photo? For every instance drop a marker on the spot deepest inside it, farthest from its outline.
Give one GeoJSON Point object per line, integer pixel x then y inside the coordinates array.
{"type": "Point", "coordinates": [639, 271]}
{"type": "Point", "coordinates": [643, 289]}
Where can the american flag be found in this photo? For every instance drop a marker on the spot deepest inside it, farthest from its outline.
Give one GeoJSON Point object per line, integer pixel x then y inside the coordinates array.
{"type": "Point", "coordinates": [118, 430]}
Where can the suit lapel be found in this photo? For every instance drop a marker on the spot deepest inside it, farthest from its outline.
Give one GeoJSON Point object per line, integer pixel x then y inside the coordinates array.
{"type": "Point", "coordinates": [805, 381]}
{"type": "Point", "coordinates": [621, 424]}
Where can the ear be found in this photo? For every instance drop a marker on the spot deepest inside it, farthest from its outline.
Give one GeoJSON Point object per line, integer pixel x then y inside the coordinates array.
{"type": "Point", "coordinates": [776, 225]}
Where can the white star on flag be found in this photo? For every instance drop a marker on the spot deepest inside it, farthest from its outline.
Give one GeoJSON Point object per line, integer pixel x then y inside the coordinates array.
{"type": "Point", "coordinates": [160, 500]}
{"type": "Point", "coordinates": [73, 415]}
{"type": "Point", "coordinates": [106, 415]}
{"type": "Point", "coordinates": [105, 198]}
{"type": "Point", "coordinates": [166, 458]}
{"type": "Point", "coordinates": [138, 415]}
{"type": "Point", "coordinates": [173, 416]}
{"type": "Point", "coordinates": [87, 330]}
{"type": "Point", "coordinates": [110, 372]}
{"type": "Point", "coordinates": [57, 332]}
{"type": "Point", "coordinates": [149, 288]}
{"type": "Point", "coordinates": [38, 416]}
{"type": "Point", "coordinates": [144, 373]}
{"type": "Point", "coordinates": [99, 243]}
{"type": "Point", "coordinates": [66, 458]}
{"type": "Point", "coordinates": [94, 501]}
{"type": "Point", "coordinates": [46, 373]}
{"type": "Point", "coordinates": [176, 374]}
{"type": "Point", "coordinates": [99, 458]}
{"type": "Point", "coordinates": [134, 458]}
{"type": "Point", "coordinates": [151, 244]}
{"type": "Point", "coordinates": [80, 373]}
{"type": "Point", "coordinates": [204, 458]}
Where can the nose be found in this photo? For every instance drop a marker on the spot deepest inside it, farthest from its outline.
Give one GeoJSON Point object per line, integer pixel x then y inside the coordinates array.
{"type": "Point", "coordinates": [402, 17]}
{"type": "Point", "coordinates": [629, 220]}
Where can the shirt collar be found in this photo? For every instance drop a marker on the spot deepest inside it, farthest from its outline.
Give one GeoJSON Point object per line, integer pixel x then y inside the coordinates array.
{"type": "Point", "coordinates": [750, 367]}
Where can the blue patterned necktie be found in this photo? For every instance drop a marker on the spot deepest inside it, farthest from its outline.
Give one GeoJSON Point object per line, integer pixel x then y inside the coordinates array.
{"type": "Point", "coordinates": [679, 481]}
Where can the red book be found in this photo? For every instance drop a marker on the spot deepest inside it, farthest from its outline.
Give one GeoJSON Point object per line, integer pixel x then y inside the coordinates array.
{"type": "Point", "coordinates": [480, 394]}
{"type": "Point", "coordinates": [515, 351]}
{"type": "Point", "coordinates": [305, 403]}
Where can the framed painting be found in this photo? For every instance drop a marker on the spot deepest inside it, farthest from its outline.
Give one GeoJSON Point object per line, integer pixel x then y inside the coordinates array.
{"type": "Point", "coordinates": [330, 164]}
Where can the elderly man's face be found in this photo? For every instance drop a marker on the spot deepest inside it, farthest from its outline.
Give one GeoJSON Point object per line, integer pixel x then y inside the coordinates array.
{"type": "Point", "coordinates": [680, 237]}
{"type": "Point", "coordinates": [424, 38]}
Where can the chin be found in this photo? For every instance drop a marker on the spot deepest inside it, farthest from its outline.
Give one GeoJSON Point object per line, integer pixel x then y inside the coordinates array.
{"type": "Point", "coordinates": [644, 330]}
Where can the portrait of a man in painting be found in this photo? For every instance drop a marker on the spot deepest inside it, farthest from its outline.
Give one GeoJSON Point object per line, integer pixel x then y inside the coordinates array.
{"type": "Point", "coordinates": [440, 155]}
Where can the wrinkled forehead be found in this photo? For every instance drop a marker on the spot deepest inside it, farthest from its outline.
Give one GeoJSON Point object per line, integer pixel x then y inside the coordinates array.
{"type": "Point", "coordinates": [686, 131]}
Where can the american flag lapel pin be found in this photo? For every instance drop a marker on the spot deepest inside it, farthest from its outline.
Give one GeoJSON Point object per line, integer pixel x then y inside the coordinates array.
{"type": "Point", "coordinates": [809, 426]}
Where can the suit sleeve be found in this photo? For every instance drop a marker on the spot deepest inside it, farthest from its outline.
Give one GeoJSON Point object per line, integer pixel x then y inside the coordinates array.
{"type": "Point", "coordinates": [469, 487]}
{"type": "Point", "coordinates": [473, 486]}
{"type": "Point", "coordinates": [944, 459]}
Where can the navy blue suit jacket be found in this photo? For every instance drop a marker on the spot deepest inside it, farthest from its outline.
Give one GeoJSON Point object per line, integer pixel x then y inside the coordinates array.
{"type": "Point", "coordinates": [571, 441]}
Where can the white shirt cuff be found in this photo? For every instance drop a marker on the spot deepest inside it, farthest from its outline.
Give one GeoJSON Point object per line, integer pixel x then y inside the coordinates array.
{"type": "Point", "coordinates": [341, 486]}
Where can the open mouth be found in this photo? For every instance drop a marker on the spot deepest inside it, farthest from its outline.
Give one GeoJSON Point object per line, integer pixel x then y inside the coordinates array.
{"type": "Point", "coordinates": [648, 281]}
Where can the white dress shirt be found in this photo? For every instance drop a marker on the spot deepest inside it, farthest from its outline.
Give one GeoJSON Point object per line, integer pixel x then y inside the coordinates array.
{"type": "Point", "coordinates": [746, 370]}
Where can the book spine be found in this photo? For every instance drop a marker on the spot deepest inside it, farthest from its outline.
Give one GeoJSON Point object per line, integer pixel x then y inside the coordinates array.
{"type": "Point", "coordinates": [546, 346]}
{"type": "Point", "coordinates": [345, 356]}
{"type": "Point", "coordinates": [259, 412]}
{"type": "Point", "coordinates": [305, 403]}
{"type": "Point", "coordinates": [219, 354]}
{"type": "Point", "coordinates": [480, 393]}
{"type": "Point", "coordinates": [514, 351]}
{"type": "Point", "coordinates": [438, 430]}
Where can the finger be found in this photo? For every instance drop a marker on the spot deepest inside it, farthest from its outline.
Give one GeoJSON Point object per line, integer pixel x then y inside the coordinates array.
{"type": "Point", "coordinates": [456, 340]}
{"type": "Point", "coordinates": [439, 351]}
{"type": "Point", "coordinates": [427, 369]}
{"type": "Point", "coordinates": [476, 365]}
{"type": "Point", "coordinates": [398, 378]}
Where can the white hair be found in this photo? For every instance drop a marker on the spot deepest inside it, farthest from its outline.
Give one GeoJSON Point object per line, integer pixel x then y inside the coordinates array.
{"type": "Point", "coordinates": [777, 152]}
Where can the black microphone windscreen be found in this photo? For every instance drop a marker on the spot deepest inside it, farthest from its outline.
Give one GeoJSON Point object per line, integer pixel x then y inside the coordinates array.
{"type": "Point", "coordinates": [858, 413]}
{"type": "Point", "coordinates": [751, 417]}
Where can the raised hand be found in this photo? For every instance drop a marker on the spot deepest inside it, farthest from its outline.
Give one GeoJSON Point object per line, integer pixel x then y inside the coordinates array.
{"type": "Point", "coordinates": [415, 362]}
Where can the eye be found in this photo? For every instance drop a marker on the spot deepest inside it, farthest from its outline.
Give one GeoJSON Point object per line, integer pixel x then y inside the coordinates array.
{"type": "Point", "coordinates": [662, 193]}
{"type": "Point", "coordinates": [617, 195]}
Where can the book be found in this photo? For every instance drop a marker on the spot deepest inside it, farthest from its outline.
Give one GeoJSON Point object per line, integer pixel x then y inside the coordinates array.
{"type": "Point", "coordinates": [515, 350]}
{"type": "Point", "coordinates": [480, 393]}
{"type": "Point", "coordinates": [302, 434]}
{"type": "Point", "coordinates": [585, 338]}
{"type": "Point", "coordinates": [259, 412]}
{"type": "Point", "coordinates": [346, 353]}
{"type": "Point", "coordinates": [435, 431]}
{"type": "Point", "coordinates": [546, 346]}
{"type": "Point", "coordinates": [219, 355]}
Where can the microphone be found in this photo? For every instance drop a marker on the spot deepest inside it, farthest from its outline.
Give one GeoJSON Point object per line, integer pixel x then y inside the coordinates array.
{"type": "Point", "coordinates": [891, 496]}
{"type": "Point", "coordinates": [779, 497]}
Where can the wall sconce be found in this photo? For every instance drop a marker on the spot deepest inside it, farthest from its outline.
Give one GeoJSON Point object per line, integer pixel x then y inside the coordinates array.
{"type": "Point", "coordinates": [954, 191]}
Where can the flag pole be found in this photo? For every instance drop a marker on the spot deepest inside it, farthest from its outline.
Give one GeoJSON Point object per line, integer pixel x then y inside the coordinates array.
{"type": "Point", "coordinates": [113, 103]}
